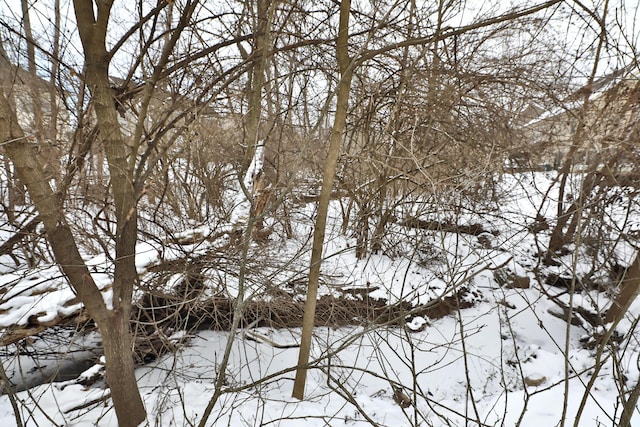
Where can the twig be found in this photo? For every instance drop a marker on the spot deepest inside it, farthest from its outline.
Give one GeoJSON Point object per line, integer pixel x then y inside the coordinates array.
{"type": "Point", "coordinates": [85, 405]}
{"type": "Point", "coordinates": [255, 336]}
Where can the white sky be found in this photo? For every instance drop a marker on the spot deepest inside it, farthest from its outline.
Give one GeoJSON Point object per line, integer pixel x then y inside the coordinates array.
{"type": "Point", "coordinates": [567, 28]}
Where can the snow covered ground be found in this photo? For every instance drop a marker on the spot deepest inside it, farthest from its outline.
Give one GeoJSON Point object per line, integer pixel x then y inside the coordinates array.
{"type": "Point", "coordinates": [509, 359]}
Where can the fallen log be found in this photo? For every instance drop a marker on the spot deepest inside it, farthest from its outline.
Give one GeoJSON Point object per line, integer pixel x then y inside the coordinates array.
{"type": "Point", "coordinates": [447, 227]}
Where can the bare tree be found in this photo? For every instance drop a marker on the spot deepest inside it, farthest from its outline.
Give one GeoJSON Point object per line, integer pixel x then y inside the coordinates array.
{"type": "Point", "coordinates": [122, 156]}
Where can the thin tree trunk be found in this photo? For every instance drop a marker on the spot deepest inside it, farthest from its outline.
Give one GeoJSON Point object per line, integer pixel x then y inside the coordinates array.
{"type": "Point", "coordinates": [630, 406]}
{"type": "Point", "coordinates": [339, 124]}
{"type": "Point", "coordinates": [55, 65]}
{"type": "Point", "coordinates": [260, 53]}
{"type": "Point", "coordinates": [16, 189]}
{"type": "Point", "coordinates": [31, 61]}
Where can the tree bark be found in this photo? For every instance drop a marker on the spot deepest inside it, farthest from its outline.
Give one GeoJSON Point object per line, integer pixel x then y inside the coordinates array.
{"type": "Point", "coordinates": [629, 289]}
{"type": "Point", "coordinates": [117, 345]}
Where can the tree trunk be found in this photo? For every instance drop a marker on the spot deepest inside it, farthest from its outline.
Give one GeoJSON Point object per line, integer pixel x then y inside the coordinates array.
{"type": "Point", "coordinates": [16, 189]}
{"type": "Point", "coordinates": [382, 214]}
{"type": "Point", "coordinates": [261, 47]}
{"type": "Point", "coordinates": [362, 230]}
{"type": "Point", "coordinates": [31, 172]}
{"type": "Point", "coordinates": [630, 406]}
{"type": "Point", "coordinates": [573, 215]}
{"type": "Point", "coordinates": [116, 341]}
{"type": "Point", "coordinates": [339, 124]}
{"type": "Point", "coordinates": [558, 237]}
{"type": "Point", "coordinates": [36, 102]}
{"type": "Point", "coordinates": [629, 289]}
{"type": "Point", "coordinates": [113, 324]}
{"type": "Point", "coordinates": [52, 132]}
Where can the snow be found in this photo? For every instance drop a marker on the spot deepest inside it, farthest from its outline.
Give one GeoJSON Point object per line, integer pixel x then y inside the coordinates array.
{"type": "Point", "coordinates": [177, 388]}
{"type": "Point", "coordinates": [255, 168]}
{"type": "Point", "coordinates": [508, 359]}
{"type": "Point", "coordinates": [45, 294]}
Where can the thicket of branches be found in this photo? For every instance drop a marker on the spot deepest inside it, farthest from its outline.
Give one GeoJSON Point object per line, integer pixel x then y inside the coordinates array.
{"type": "Point", "coordinates": [197, 125]}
